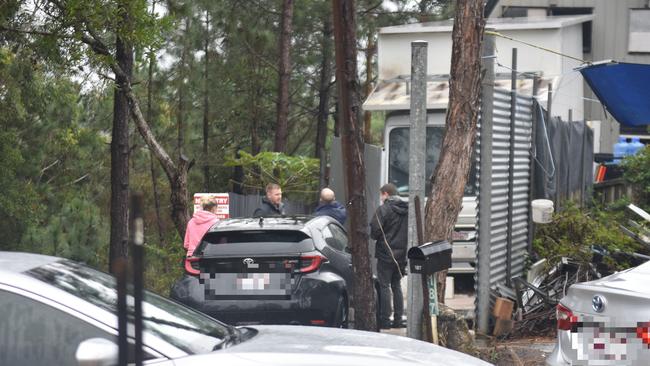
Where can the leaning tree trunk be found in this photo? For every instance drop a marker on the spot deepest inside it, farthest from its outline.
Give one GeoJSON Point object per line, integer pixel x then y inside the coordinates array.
{"type": "Point", "coordinates": [179, 197]}
{"type": "Point", "coordinates": [448, 181]}
{"type": "Point", "coordinates": [152, 166]}
{"type": "Point", "coordinates": [363, 296]}
{"type": "Point", "coordinates": [120, 158]}
{"type": "Point", "coordinates": [284, 74]}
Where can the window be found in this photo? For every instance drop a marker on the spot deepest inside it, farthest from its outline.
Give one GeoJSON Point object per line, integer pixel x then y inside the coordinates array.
{"type": "Point", "coordinates": [33, 333]}
{"type": "Point", "coordinates": [639, 32]}
{"type": "Point", "coordinates": [398, 159]}
{"type": "Point", "coordinates": [180, 326]}
{"type": "Point", "coordinates": [255, 236]}
{"type": "Point", "coordinates": [340, 236]}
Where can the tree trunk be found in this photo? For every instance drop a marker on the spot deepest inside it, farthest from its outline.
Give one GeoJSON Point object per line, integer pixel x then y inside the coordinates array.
{"type": "Point", "coordinates": [448, 181]}
{"type": "Point", "coordinates": [284, 74]}
{"type": "Point", "coordinates": [152, 165]}
{"type": "Point", "coordinates": [179, 199]}
{"type": "Point", "coordinates": [324, 88]}
{"type": "Point", "coordinates": [324, 98]}
{"type": "Point", "coordinates": [120, 157]}
{"type": "Point", "coordinates": [179, 196]}
{"type": "Point", "coordinates": [370, 52]}
{"type": "Point", "coordinates": [180, 110]}
{"type": "Point", "coordinates": [206, 106]}
{"type": "Point", "coordinates": [363, 297]}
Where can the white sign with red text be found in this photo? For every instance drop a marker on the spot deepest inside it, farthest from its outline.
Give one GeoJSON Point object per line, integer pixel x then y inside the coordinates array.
{"type": "Point", "coordinates": [221, 199]}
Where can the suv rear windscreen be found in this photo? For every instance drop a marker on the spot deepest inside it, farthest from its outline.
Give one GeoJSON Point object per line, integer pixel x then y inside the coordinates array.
{"type": "Point", "coordinates": [259, 241]}
{"type": "Point", "coordinates": [255, 236]}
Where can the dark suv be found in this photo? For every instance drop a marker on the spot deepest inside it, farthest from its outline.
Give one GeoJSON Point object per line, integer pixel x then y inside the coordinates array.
{"type": "Point", "coordinates": [271, 270]}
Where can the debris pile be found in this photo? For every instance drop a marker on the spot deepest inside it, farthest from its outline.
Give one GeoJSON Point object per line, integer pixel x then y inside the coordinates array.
{"type": "Point", "coordinates": [537, 295]}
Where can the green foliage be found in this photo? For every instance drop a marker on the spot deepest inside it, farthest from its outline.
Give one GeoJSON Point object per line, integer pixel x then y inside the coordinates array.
{"type": "Point", "coordinates": [637, 171]}
{"type": "Point", "coordinates": [76, 231]}
{"type": "Point", "coordinates": [573, 232]}
{"type": "Point", "coordinates": [295, 174]}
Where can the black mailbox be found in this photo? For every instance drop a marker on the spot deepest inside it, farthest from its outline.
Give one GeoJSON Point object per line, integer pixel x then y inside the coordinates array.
{"type": "Point", "coordinates": [430, 258]}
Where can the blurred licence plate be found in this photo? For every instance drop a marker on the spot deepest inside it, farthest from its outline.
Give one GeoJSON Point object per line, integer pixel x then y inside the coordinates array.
{"type": "Point", "coordinates": [603, 341]}
{"type": "Point", "coordinates": [253, 281]}
{"type": "Point", "coordinates": [463, 235]}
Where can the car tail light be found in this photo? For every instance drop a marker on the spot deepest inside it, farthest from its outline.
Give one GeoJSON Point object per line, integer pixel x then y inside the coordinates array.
{"type": "Point", "coordinates": [643, 332]}
{"type": "Point", "coordinates": [565, 318]}
{"type": "Point", "coordinates": [317, 322]}
{"type": "Point", "coordinates": [310, 263]}
{"type": "Point", "coordinates": [306, 264]}
{"type": "Point", "coordinates": [192, 266]}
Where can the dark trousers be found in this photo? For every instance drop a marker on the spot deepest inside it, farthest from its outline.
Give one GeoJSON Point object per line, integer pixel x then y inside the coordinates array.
{"type": "Point", "coordinates": [389, 281]}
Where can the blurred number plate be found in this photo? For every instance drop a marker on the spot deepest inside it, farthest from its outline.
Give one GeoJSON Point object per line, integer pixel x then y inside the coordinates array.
{"type": "Point", "coordinates": [463, 235]}
{"type": "Point", "coordinates": [254, 281]}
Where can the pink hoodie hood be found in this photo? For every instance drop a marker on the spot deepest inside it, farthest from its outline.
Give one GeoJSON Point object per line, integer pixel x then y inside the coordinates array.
{"type": "Point", "coordinates": [200, 223]}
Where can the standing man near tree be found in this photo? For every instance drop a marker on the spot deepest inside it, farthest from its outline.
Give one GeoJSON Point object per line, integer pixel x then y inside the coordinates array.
{"type": "Point", "coordinates": [272, 203]}
{"type": "Point", "coordinates": [329, 206]}
{"type": "Point", "coordinates": [389, 227]}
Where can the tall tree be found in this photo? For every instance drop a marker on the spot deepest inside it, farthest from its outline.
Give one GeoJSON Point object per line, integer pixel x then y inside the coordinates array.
{"type": "Point", "coordinates": [324, 96]}
{"type": "Point", "coordinates": [284, 76]}
{"type": "Point", "coordinates": [450, 176]}
{"type": "Point", "coordinates": [206, 103]}
{"type": "Point", "coordinates": [152, 166]}
{"type": "Point", "coordinates": [120, 146]}
{"type": "Point", "coordinates": [371, 49]}
{"type": "Point", "coordinates": [363, 296]}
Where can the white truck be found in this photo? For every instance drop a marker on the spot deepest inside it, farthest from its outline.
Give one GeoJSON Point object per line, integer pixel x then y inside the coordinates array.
{"type": "Point", "coordinates": [395, 169]}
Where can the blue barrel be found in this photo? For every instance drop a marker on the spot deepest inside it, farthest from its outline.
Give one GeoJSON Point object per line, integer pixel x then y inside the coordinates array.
{"type": "Point", "coordinates": [620, 149]}
{"type": "Point", "coordinates": [634, 146]}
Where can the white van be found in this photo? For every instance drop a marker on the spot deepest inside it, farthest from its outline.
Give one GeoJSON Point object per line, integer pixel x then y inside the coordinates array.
{"type": "Point", "coordinates": [394, 169]}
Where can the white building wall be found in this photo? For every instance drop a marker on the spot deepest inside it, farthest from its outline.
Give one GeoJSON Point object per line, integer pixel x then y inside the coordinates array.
{"type": "Point", "coordinates": [394, 59]}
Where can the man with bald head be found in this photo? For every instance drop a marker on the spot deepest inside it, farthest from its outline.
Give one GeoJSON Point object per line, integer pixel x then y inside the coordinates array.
{"type": "Point", "coordinates": [328, 206]}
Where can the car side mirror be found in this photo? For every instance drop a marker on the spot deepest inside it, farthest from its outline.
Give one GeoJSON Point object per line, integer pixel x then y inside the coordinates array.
{"type": "Point", "coordinates": [97, 352]}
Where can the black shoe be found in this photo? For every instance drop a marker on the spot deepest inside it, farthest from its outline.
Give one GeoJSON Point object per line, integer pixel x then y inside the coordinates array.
{"type": "Point", "coordinates": [399, 325]}
{"type": "Point", "coordinates": [385, 326]}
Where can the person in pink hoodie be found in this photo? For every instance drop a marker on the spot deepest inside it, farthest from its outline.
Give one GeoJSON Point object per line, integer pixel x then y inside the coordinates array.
{"type": "Point", "coordinates": [201, 222]}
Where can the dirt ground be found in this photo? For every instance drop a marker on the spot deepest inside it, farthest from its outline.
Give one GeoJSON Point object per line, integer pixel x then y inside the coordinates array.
{"type": "Point", "coordinates": [531, 351]}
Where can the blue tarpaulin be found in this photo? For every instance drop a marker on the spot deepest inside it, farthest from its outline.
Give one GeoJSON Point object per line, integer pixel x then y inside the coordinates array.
{"type": "Point", "coordinates": [623, 88]}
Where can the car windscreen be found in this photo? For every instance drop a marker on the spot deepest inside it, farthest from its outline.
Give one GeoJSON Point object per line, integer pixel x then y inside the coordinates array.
{"type": "Point", "coordinates": [398, 159]}
{"type": "Point", "coordinates": [259, 242]}
{"type": "Point", "coordinates": [182, 327]}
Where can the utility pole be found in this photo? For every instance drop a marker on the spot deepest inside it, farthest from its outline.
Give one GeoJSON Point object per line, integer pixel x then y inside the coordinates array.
{"type": "Point", "coordinates": [485, 183]}
{"type": "Point", "coordinates": [417, 149]}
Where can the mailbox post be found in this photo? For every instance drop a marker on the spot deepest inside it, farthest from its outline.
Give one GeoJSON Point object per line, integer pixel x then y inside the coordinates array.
{"type": "Point", "coordinates": [427, 259]}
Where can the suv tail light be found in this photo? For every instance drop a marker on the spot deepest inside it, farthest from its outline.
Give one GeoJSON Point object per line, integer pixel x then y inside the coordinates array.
{"type": "Point", "coordinates": [306, 264]}
{"type": "Point", "coordinates": [311, 263]}
{"type": "Point", "coordinates": [565, 317]}
{"type": "Point", "coordinates": [192, 266]}
{"type": "Point", "coordinates": [643, 332]}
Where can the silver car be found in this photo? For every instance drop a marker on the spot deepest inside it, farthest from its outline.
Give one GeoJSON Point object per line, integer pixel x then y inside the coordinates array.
{"type": "Point", "coordinates": [58, 312]}
{"type": "Point", "coordinates": [606, 321]}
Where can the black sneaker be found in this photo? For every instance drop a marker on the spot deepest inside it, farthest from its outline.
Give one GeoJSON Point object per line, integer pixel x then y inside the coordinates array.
{"type": "Point", "coordinates": [385, 326]}
{"type": "Point", "coordinates": [399, 324]}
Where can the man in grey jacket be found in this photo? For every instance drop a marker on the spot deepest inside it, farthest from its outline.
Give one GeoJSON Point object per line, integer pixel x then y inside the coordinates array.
{"type": "Point", "coordinates": [389, 227]}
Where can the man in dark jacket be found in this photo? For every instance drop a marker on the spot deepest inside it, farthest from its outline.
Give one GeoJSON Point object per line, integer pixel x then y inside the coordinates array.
{"type": "Point", "coordinates": [389, 227]}
{"type": "Point", "coordinates": [271, 204]}
{"type": "Point", "coordinates": [328, 206]}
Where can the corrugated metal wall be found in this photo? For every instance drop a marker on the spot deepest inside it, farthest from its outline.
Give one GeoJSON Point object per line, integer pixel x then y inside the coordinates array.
{"type": "Point", "coordinates": [508, 222]}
